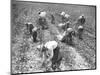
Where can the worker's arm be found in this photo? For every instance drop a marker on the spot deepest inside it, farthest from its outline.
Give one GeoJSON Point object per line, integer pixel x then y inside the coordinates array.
{"type": "Point", "coordinates": [50, 54]}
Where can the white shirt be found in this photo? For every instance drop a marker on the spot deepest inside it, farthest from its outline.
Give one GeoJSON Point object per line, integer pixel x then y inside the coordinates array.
{"type": "Point", "coordinates": [51, 45]}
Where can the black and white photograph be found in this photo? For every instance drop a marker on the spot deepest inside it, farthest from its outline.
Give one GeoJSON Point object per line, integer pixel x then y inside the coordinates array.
{"type": "Point", "coordinates": [52, 37]}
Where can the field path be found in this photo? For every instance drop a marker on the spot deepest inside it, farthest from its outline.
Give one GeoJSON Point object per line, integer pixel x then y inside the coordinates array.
{"type": "Point", "coordinates": [78, 62]}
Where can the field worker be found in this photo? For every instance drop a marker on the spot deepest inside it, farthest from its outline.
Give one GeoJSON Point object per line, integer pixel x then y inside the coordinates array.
{"type": "Point", "coordinates": [47, 51]}
{"type": "Point", "coordinates": [51, 45]}
{"type": "Point", "coordinates": [68, 37]}
{"type": "Point", "coordinates": [34, 34]}
{"type": "Point", "coordinates": [80, 32]}
{"type": "Point", "coordinates": [42, 20]}
{"type": "Point", "coordinates": [81, 20]}
{"type": "Point", "coordinates": [29, 26]}
{"type": "Point", "coordinates": [63, 16]}
{"type": "Point", "coordinates": [53, 48]}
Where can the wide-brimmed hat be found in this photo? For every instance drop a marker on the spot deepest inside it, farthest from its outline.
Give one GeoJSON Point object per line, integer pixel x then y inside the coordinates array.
{"type": "Point", "coordinates": [42, 14]}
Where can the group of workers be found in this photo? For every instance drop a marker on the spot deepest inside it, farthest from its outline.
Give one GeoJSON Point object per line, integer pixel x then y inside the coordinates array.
{"type": "Point", "coordinates": [51, 49]}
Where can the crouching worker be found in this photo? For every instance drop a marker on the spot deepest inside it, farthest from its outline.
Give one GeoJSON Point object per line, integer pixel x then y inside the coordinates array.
{"type": "Point", "coordinates": [68, 37]}
{"type": "Point", "coordinates": [42, 20]}
{"type": "Point", "coordinates": [80, 32]}
{"type": "Point", "coordinates": [51, 55]}
{"type": "Point", "coordinates": [64, 17]}
{"type": "Point", "coordinates": [53, 51]}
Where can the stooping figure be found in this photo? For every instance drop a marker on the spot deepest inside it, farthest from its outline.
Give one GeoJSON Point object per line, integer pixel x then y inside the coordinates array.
{"type": "Point", "coordinates": [51, 53]}
{"type": "Point", "coordinates": [50, 45]}
{"type": "Point", "coordinates": [64, 17]}
{"type": "Point", "coordinates": [32, 31]}
{"type": "Point", "coordinates": [54, 50]}
{"type": "Point", "coordinates": [81, 20]}
{"type": "Point", "coordinates": [68, 37]}
{"type": "Point", "coordinates": [42, 20]}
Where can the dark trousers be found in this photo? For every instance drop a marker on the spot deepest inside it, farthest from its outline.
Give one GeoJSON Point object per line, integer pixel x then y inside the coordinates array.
{"type": "Point", "coordinates": [56, 58]}
{"type": "Point", "coordinates": [34, 35]}
{"type": "Point", "coordinates": [80, 33]}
